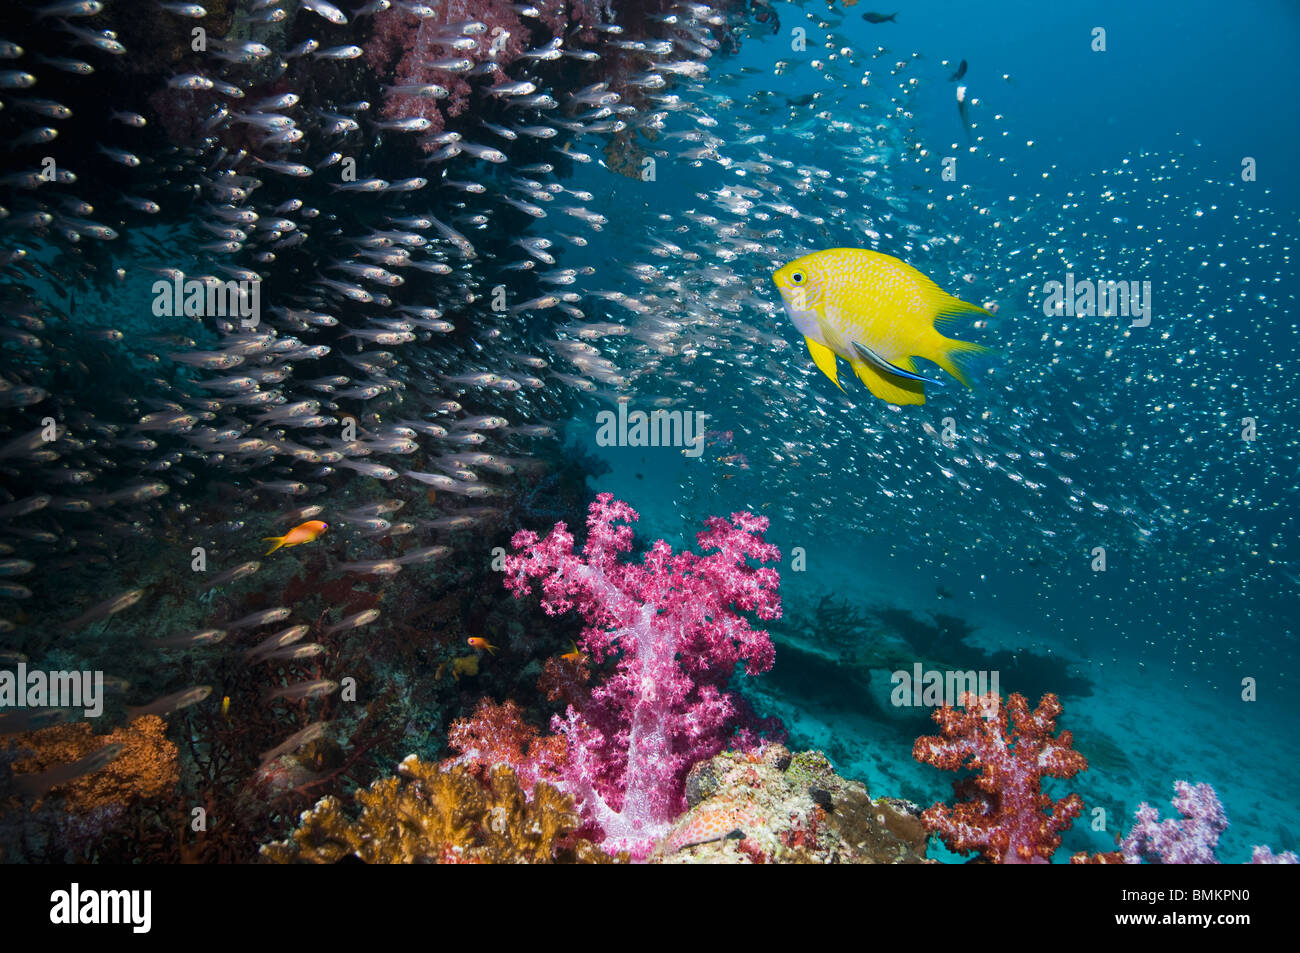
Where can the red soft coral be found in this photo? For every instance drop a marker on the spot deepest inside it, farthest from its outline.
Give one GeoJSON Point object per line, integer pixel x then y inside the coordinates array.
{"type": "Point", "coordinates": [565, 678]}
{"type": "Point", "coordinates": [497, 734]}
{"type": "Point", "coordinates": [1005, 814]}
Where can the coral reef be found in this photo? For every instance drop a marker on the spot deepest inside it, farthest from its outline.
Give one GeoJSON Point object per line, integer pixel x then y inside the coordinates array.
{"type": "Point", "coordinates": [1193, 838]}
{"type": "Point", "coordinates": [145, 768]}
{"type": "Point", "coordinates": [565, 678]}
{"type": "Point", "coordinates": [1003, 812]}
{"type": "Point", "coordinates": [1190, 840]}
{"type": "Point", "coordinates": [670, 624]}
{"type": "Point", "coordinates": [422, 50]}
{"type": "Point", "coordinates": [768, 806]}
{"type": "Point", "coordinates": [461, 665]}
{"type": "Point", "coordinates": [497, 734]}
{"type": "Point", "coordinates": [1265, 855]}
{"type": "Point", "coordinates": [441, 815]}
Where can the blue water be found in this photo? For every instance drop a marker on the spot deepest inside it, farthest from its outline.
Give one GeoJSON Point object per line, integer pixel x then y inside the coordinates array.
{"type": "Point", "coordinates": [1200, 589]}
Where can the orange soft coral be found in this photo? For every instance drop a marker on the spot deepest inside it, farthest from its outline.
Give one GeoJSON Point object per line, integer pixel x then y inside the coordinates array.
{"type": "Point", "coordinates": [145, 768]}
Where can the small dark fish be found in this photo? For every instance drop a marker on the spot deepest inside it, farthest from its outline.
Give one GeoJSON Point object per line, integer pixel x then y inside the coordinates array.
{"type": "Point", "coordinates": [879, 18]}
{"type": "Point", "coordinates": [16, 567]}
{"type": "Point", "coordinates": [35, 785]}
{"type": "Point", "coordinates": [961, 71]}
{"type": "Point", "coordinates": [116, 684]}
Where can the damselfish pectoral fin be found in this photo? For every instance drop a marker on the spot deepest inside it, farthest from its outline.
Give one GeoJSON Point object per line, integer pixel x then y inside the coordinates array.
{"type": "Point", "coordinates": [824, 358]}
{"type": "Point", "coordinates": [871, 357]}
{"type": "Point", "coordinates": [889, 386]}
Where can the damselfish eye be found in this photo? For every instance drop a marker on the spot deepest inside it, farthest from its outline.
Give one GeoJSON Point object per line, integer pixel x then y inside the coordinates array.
{"type": "Point", "coordinates": [796, 277]}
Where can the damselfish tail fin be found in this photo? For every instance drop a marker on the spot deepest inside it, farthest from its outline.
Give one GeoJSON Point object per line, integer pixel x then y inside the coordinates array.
{"type": "Point", "coordinates": [954, 356]}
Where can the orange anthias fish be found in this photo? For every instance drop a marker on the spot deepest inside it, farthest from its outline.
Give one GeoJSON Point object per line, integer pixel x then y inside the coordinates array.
{"type": "Point", "coordinates": [575, 656]}
{"type": "Point", "coordinates": [302, 533]}
{"type": "Point", "coordinates": [475, 642]}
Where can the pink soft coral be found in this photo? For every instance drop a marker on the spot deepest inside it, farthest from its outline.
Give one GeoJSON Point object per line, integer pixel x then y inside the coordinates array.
{"type": "Point", "coordinates": [671, 623]}
{"type": "Point", "coordinates": [1005, 814]}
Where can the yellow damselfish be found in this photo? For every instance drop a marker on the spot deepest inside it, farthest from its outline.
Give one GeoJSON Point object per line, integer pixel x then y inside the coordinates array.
{"type": "Point", "coordinates": [878, 313]}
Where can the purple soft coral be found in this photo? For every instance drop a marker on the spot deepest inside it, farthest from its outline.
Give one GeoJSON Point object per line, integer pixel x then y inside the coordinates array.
{"type": "Point", "coordinates": [1265, 855]}
{"type": "Point", "coordinates": [671, 623]}
{"type": "Point", "coordinates": [1193, 839]}
{"type": "Point", "coordinates": [1190, 840]}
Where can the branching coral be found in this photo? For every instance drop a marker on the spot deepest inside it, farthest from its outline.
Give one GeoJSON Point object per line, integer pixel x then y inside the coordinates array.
{"type": "Point", "coordinates": [144, 768]}
{"type": "Point", "coordinates": [1004, 815]}
{"type": "Point", "coordinates": [672, 624]}
{"type": "Point", "coordinates": [431, 815]}
{"type": "Point", "coordinates": [497, 734]}
{"type": "Point", "coordinates": [1193, 838]}
{"type": "Point", "coordinates": [1190, 840]}
{"type": "Point", "coordinates": [566, 678]}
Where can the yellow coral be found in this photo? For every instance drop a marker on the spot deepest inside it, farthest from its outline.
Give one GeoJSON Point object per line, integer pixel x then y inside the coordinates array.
{"type": "Point", "coordinates": [442, 815]}
{"type": "Point", "coordinates": [464, 665]}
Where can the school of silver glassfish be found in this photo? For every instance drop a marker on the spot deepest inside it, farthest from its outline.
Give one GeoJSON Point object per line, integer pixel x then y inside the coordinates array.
{"type": "Point", "coordinates": [313, 317]}
{"type": "Point", "coordinates": [356, 252]}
